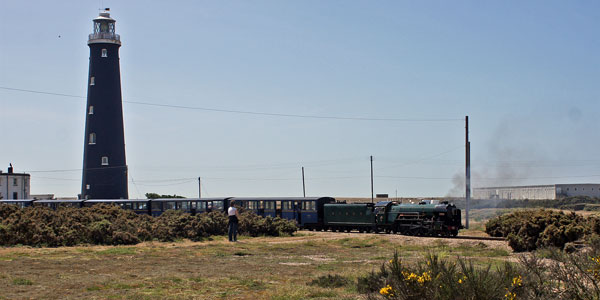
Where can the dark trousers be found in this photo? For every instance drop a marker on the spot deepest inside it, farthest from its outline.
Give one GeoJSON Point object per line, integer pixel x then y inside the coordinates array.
{"type": "Point", "coordinates": [233, 227]}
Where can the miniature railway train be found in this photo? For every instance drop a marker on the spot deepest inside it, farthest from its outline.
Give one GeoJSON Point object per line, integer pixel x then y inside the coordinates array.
{"type": "Point", "coordinates": [314, 213]}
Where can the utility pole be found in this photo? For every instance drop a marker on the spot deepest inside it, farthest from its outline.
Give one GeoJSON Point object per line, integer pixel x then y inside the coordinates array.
{"type": "Point", "coordinates": [467, 170]}
{"type": "Point", "coordinates": [303, 185]}
{"type": "Point", "coordinates": [199, 187]}
{"type": "Point", "coordinates": [371, 178]}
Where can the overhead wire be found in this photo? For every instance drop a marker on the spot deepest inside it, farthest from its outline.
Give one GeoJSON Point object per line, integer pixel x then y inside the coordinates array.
{"type": "Point", "coordinates": [289, 115]}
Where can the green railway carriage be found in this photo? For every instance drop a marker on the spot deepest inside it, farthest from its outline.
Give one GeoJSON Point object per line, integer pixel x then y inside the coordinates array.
{"type": "Point", "coordinates": [347, 217]}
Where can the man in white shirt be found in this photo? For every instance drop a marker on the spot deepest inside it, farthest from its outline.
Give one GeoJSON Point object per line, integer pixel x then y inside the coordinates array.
{"type": "Point", "coordinates": [232, 212]}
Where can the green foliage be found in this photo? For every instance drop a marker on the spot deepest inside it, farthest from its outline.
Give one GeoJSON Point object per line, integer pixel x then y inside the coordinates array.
{"type": "Point", "coordinates": [435, 278]}
{"type": "Point", "coordinates": [157, 196]}
{"type": "Point", "coordinates": [330, 281]}
{"type": "Point", "coordinates": [22, 281]}
{"type": "Point", "coordinates": [531, 229]}
{"type": "Point", "coordinates": [111, 225]}
{"type": "Point", "coordinates": [560, 276]}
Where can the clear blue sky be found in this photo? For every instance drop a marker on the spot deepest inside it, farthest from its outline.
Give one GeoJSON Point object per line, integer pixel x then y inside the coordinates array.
{"type": "Point", "coordinates": [526, 73]}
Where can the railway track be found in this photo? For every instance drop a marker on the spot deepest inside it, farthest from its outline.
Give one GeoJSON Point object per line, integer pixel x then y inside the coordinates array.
{"type": "Point", "coordinates": [459, 237]}
{"type": "Point", "coordinates": [481, 238]}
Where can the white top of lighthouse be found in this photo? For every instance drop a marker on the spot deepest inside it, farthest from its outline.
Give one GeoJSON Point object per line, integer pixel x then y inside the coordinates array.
{"type": "Point", "coordinates": [104, 29]}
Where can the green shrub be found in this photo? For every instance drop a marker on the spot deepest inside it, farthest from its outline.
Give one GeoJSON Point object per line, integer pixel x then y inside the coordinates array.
{"type": "Point", "coordinates": [560, 276]}
{"type": "Point", "coordinates": [330, 281]}
{"type": "Point", "coordinates": [434, 278]}
{"type": "Point", "coordinates": [531, 229]}
{"type": "Point", "coordinates": [111, 225]}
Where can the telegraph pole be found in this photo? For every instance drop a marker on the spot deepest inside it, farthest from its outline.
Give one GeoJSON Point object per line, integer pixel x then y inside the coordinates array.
{"type": "Point", "coordinates": [303, 185]}
{"type": "Point", "coordinates": [371, 178]}
{"type": "Point", "coordinates": [467, 170]}
{"type": "Point", "coordinates": [199, 187]}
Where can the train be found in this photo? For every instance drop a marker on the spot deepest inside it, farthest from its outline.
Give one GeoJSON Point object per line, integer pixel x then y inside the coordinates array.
{"type": "Point", "coordinates": [311, 213]}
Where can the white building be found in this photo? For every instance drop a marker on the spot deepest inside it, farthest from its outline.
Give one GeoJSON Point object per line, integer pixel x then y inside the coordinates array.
{"type": "Point", "coordinates": [537, 192]}
{"type": "Point", "coordinates": [14, 185]}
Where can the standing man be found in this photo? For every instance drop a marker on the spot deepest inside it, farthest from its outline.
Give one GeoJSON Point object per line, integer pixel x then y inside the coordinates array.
{"type": "Point", "coordinates": [233, 222]}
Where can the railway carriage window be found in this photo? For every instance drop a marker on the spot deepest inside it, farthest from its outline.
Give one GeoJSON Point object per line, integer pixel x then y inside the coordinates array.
{"type": "Point", "coordinates": [185, 205]}
{"type": "Point", "coordinates": [194, 205]}
{"type": "Point", "coordinates": [169, 205]}
{"type": "Point", "coordinates": [261, 205]}
{"type": "Point", "coordinates": [156, 206]}
{"type": "Point", "coordinates": [218, 205]}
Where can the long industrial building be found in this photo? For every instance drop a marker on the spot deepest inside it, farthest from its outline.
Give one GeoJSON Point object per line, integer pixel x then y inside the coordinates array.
{"type": "Point", "coordinates": [537, 192]}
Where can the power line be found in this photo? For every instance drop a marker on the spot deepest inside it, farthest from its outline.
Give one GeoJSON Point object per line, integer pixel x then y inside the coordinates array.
{"type": "Point", "coordinates": [250, 112]}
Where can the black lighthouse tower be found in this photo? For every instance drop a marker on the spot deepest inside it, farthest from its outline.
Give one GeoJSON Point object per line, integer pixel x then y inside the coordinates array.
{"type": "Point", "coordinates": [104, 165]}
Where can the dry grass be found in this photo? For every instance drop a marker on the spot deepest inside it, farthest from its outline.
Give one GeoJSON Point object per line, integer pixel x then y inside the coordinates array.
{"type": "Point", "coordinates": [254, 268]}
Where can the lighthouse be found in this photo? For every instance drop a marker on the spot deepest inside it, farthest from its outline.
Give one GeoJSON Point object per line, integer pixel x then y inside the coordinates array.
{"type": "Point", "coordinates": [104, 166]}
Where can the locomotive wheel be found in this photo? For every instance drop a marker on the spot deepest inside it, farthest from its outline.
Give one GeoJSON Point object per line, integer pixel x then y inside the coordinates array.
{"type": "Point", "coordinates": [360, 230]}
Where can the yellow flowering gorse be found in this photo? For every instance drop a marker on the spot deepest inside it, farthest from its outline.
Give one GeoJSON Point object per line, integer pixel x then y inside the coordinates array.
{"type": "Point", "coordinates": [595, 270]}
{"type": "Point", "coordinates": [426, 276]}
{"type": "Point", "coordinates": [387, 291]}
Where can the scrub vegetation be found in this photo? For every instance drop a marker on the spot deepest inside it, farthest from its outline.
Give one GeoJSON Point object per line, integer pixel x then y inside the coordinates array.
{"type": "Point", "coordinates": [111, 225]}
{"type": "Point", "coordinates": [558, 276]}
{"type": "Point", "coordinates": [528, 230]}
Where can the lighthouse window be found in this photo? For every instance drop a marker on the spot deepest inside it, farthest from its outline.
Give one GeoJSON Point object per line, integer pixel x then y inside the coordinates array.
{"type": "Point", "coordinates": [87, 186]}
{"type": "Point", "coordinates": [105, 160]}
{"type": "Point", "coordinates": [92, 140]}
{"type": "Point", "coordinates": [104, 53]}
{"type": "Point", "coordinates": [91, 110]}
{"type": "Point", "coordinates": [92, 80]}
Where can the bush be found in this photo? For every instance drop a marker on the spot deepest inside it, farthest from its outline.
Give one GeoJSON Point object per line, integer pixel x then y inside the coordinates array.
{"type": "Point", "coordinates": [434, 278]}
{"type": "Point", "coordinates": [561, 276]}
{"type": "Point", "coordinates": [110, 225]}
{"type": "Point", "coordinates": [531, 229]}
